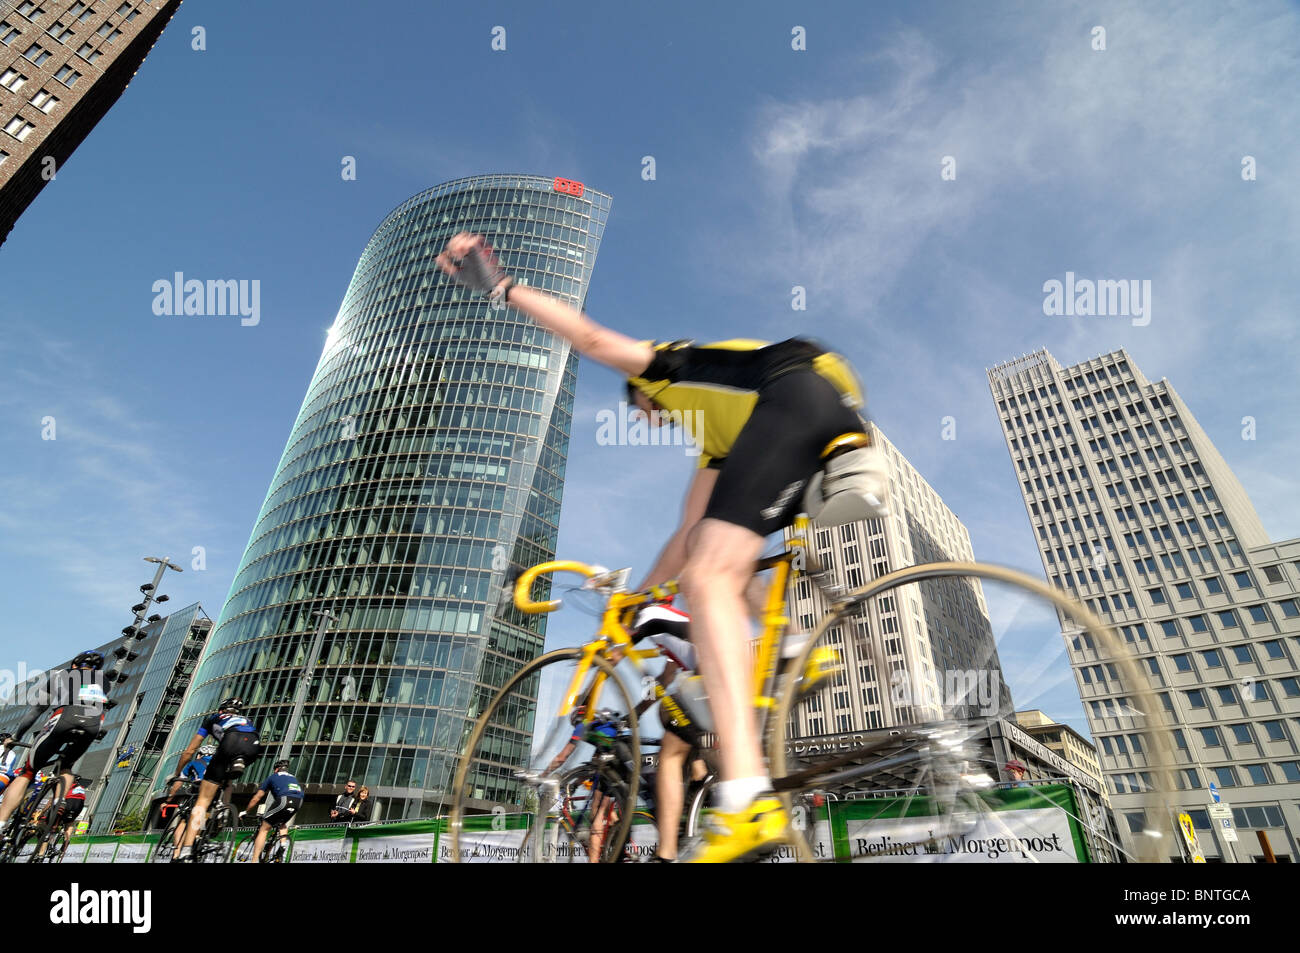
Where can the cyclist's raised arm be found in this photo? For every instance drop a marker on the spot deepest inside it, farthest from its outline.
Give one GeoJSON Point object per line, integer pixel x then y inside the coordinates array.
{"type": "Point", "coordinates": [470, 261]}
{"type": "Point", "coordinates": [618, 351]}
{"type": "Point", "coordinates": [673, 557]}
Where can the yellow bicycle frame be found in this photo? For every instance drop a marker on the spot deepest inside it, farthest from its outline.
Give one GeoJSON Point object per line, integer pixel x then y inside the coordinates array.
{"type": "Point", "coordinates": [614, 642]}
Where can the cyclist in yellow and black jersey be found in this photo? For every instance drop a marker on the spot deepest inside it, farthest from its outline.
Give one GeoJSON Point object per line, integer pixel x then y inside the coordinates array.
{"type": "Point", "coordinates": [762, 414]}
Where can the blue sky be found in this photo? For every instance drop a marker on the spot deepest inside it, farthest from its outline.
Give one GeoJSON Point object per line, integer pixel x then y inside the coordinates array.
{"type": "Point", "coordinates": [774, 168]}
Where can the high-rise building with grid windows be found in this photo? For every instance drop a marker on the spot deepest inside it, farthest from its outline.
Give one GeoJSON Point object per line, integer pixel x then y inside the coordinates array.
{"type": "Point", "coordinates": [918, 653]}
{"type": "Point", "coordinates": [423, 472]}
{"type": "Point", "coordinates": [63, 64]}
{"type": "Point", "coordinates": [1138, 516]}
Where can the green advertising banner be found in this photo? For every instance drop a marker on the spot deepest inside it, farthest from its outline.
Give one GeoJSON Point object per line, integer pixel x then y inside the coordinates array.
{"type": "Point", "coordinates": [1037, 824]}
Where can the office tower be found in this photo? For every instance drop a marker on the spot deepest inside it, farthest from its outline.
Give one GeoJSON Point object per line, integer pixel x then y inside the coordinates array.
{"type": "Point", "coordinates": [1137, 515]}
{"type": "Point", "coordinates": [62, 67]}
{"type": "Point", "coordinates": [424, 470]}
{"type": "Point", "coordinates": [917, 652]}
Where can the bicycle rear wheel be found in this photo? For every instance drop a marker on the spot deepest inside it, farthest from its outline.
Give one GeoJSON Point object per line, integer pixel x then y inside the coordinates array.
{"type": "Point", "coordinates": [507, 794]}
{"type": "Point", "coordinates": [923, 785]}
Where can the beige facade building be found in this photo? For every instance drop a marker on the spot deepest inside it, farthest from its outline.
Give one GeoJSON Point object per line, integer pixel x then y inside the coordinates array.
{"type": "Point", "coordinates": [1137, 515]}
{"type": "Point", "coordinates": [1063, 741]}
{"type": "Point", "coordinates": [917, 652]}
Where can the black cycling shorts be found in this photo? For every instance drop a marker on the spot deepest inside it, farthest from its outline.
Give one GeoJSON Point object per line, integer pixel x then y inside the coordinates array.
{"type": "Point", "coordinates": [283, 814]}
{"type": "Point", "coordinates": [762, 479]}
{"type": "Point", "coordinates": [233, 745]}
{"type": "Point", "coordinates": [66, 735]}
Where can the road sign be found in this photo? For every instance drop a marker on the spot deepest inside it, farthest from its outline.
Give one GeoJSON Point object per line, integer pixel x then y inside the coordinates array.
{"type": "Point", "coordinates": [1214, 792]}
{"type": "Point", "coordinates": [1221, 810]}
{"type": "Point", "coordinates": [1229, 834]}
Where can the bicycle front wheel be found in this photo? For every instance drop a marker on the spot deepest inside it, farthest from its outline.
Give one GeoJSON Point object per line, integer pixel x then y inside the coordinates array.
{"type": "Point", "coordinates": [164, 848]}
{"type": "Point", "coordinates": [923, 779]}
{"type": "Point", "coordinates": [509, 790]}
{"type": "Point", "coordinates": [244, 849]}
{"type": "Point", "coordinates": [43, 818]}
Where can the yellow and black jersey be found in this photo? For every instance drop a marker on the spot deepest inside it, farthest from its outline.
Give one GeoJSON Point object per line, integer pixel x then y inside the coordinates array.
{"type": "Point", "coordinates": [718, 384]}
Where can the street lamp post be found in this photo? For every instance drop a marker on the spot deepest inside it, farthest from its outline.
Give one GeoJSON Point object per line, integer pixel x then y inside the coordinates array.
{"type": "Point", "coordinates": [132, 633]}
{"type": "Point", "coordinates": [300, 696]}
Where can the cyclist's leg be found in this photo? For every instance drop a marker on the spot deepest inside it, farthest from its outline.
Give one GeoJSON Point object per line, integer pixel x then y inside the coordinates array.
{"type": "Point", "coordinates": [259, 841]}
{"type": "Point", "coordinates": [199, 816]}
{"type": "Point", "coordinates": [14, 794]}
{"type": "Point", "coordinates": [669, 793]}
{"type": "Point", "coordinates": [719, 564]}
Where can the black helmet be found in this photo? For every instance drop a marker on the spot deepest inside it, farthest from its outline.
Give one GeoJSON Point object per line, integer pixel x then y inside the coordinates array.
{"type": "Point", "coordinates": [231, 704]}
{"type": "Point", "coordinates": [281, 765]}
{"type": "Point", "coordinates": [89, 659]}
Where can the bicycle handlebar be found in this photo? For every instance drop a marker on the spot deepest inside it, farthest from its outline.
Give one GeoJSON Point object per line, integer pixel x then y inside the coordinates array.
{"type": "Point", "coordinates": [524, 585]}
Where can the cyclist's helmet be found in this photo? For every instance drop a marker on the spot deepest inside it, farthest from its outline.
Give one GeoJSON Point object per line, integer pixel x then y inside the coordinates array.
{"type": "Point", "coordinates": [578, 715]}
{"type": "Point", "coordinates": [281, 765]}
{"type": "Point", "coordinates": [231, 704]}
{"type": "Point", "coordinates": [89, 659]}
{"type": "Point", "coordinates": [84, 782]}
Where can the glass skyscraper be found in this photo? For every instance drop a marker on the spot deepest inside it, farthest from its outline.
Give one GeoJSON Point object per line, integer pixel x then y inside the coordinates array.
{"type": "Point", "coordinates": [425, 468]}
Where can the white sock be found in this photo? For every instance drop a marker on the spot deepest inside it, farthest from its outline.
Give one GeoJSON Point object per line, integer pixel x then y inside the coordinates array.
{"type": "Point", "coordinates": [734, 796]}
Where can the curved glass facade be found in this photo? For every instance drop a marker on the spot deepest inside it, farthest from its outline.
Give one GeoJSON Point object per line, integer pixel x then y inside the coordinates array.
{"type": "Point", "coordinates": [424, 469]}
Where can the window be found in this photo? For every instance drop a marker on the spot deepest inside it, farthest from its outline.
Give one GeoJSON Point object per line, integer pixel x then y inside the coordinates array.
{"type": "Point", "coordinates": [1257, 613]}
{"type": "Point", "coordinates": [1157, 596]}
{"type": "Point", "coordinates": [1200, 818]}
{"type": "Point", "coordinates": [1183, 663]}
{"type": "Point", "coordinates": [67, 76]}
{"type": "Point", "coordinates": [1242, 653]}
{"type": "Point", "coordinates": [1290, 686]}
{"type": "Point", "coordinates": [1258, 773]}
{"type": "Point", "coordinates": [1241, 734]}
{"type": "Point", "coordinates": [1212, 658]}
{"type": "Point", "coordinates": [8, 33]}
{"type": "Point", "coordinates": [1210, 737]}
{"type": "Point", "coordinates": [59, 33]}
{"type": "Point", "coordinates": [12, 80]}
{"type": "Point", "coordinates": [1290, 770]}
{"type": "Point", "coordinates": [3, 156]}
{"type": "Point", "coordinates": [1289, 608]}
{"type": "Point", "coordinates": [1274, 730]}
{"type": "Point", "coordinates": [1213, 585]}
{"type": "Point", "coordinates": [1273, 648]}
{"type": "Point", "coordinates": [1243, 580]}
{"type": "Point", "coordinates": [36, 53]}
{"type": "Point", "coordinates": [1226, 776]}
{"type": "Point", "coordinates": [1273, 573]}
{"type": "Point", "coordinates": [19, 128]}
{"type": "Point", "coordinates": [1169, 628]}
{"type": "Point", "coordinates": [1227, 619]}
{"type": "Point", "coordinates": [1227, 694]}
{"type": "Point", "coordinates": [1184, 590]}
{"type": "Point", "coordinates": [1198, 623]}
{"type": "Point", "coordinates": [44, 101]}
{"type": "Point", "coordinates": [1196, 698]}
{"type": "Point", "coordinates": [30, 10]}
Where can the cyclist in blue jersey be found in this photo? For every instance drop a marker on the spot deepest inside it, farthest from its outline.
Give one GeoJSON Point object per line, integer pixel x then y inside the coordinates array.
{"type": "Point", "coordinates": [237, 747]}
{"type": "Point", "coordinates": [196, 768]}
{"type": "Point", "coordinates": [284, 796]}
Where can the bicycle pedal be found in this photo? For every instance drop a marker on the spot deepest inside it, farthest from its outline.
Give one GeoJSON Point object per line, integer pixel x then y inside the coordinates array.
{"type": "Point", "coordinates": [823, 665]}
